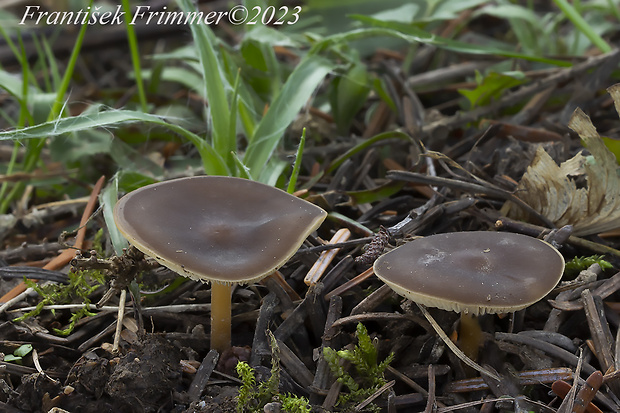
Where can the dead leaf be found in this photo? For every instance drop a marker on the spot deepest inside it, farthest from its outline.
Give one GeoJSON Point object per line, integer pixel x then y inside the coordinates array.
{"type": "Point", "coordinates": [552, 190]}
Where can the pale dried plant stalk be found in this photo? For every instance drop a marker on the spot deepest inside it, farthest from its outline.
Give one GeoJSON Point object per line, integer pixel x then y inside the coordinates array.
{"type": "Point", "coordinates": [552, 190]}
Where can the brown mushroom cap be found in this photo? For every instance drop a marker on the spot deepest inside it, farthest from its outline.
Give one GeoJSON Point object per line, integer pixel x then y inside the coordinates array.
{"type": "Point", "coordinates": [476, 272]}
{"type": "Point", "coordinates": [216, 228]}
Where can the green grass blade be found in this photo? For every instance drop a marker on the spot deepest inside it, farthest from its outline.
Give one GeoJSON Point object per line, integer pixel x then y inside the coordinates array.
{"type": "Point", "coordinates": [24, 114]}
{"type": "Point", "coordinates": [9, 170]}
{"type": "Point", "coordinates": [247, 119]}
{"type": "Point", "coordinates": [212, 161]}
{"type": "Point", "coordinates": [20, 92]}
{"type": "Point", "coordinates": [34, 148]}
{"type": "Point", "coordinates": [135, 54]}
{"type": "Point", "coordinates": [64, 84]}
{"type": "Point", "coordinates": [273, 173]}
{"type": "Point", "coordinates": [292, 183]}
{"type": "Point", "coordinates": [583, 26]}
{"type": "Point", "coordinates": [412, 34]}
{"type": "Point", "coordinates": [23, 102]}
{"type": "Point", "coordinates": [155, 77]}
{"type": "Point", "coordinates": [13, 84]}
{"type": "Point", "coordinates": [54, 72]}
{"type": "Point", "coordinates": [9, 42]}
{"type": "Point", "coordinates": [108, 199]}
{"type": "Point", "coordinates": [294, 94]}
{"type": "Point", "coordinates": [365, 144]}
{"type": "Point", "coordinates": [348, 95]}
{"type": "Point", "coordinates": [377, 194]}
{"type": "Point", "coordinates": [242, 170]}
{"type": "Point", "coordinates": [182, 75]}
{"type": "Point", "coordinates": [614, 10]}
{"type": "Point", "coordinates": [353, 225]}
{"type": "Point", "coordinates": [233, 120]}
{"type": "Point", "coordinates": [214, 84]}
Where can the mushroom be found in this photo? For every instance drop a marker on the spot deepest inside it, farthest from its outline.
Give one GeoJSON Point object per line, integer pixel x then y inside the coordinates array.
{"type": "Point", "coordinates": [476, 272]}
{"type": "Point", "coordinates": [217, 229]}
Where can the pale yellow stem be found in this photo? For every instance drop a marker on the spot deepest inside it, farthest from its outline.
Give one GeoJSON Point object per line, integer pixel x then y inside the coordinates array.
{"type": "Point", "coordinates": [220, 317]}
{"type": "Point", "coordinates": [470, 335]}
{"type": "Point", "coordinates": [457, 351]}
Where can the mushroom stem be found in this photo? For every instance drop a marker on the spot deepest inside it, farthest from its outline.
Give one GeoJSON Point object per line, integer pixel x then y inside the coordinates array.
{"type": "Point", "coordinates": [457, 351]}
{"type": "Point", "coordinates": [220, 316]}
{"type": "Point", "coordinates": [470, 335]}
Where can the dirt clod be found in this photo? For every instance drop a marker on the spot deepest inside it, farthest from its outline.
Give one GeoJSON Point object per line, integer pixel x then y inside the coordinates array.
{"type": "Point", "coordinates": [140, 380]}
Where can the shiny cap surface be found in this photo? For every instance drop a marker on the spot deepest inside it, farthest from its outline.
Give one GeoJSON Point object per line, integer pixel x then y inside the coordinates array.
{"type": "Point", "coordinates": [216, 228]}
{"type": "Point", "coordinates": [476, 272]}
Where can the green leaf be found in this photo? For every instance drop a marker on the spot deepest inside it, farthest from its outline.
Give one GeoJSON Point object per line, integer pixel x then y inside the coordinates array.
{"type": "Point", "coordinates": [295, 93]}
{"type": "Point", "coordinates": [492, 86]}
{"type": "Point", "coordinates": [23, 350]}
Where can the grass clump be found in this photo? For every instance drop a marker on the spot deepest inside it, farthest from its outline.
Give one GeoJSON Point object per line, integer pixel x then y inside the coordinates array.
{"type": "Point", "coordinates": [252, 397]}
{"type": "Point", "coordinates": [370, 373]}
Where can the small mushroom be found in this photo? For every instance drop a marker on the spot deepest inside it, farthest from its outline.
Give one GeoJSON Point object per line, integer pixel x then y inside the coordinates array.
{"type": "Point", "coordinates": [217, 229]}
{"type": "Point", "coordinates": [474, 272]}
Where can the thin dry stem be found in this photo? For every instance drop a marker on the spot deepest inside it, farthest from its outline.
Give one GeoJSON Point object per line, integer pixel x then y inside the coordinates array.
{"type": "Point", "coordinates": [454, 347]}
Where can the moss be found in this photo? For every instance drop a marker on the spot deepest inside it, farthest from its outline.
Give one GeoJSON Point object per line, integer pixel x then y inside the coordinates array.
{"type": "Point", "coordinates": [369, 373]}
{"type": "Point", "coordinates": [81, 285]}
{"type": "Point", "coordinates": [578, 264]}
{"type": "Point", "coordinates": [253, 398]}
